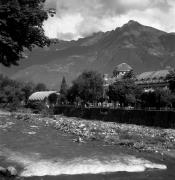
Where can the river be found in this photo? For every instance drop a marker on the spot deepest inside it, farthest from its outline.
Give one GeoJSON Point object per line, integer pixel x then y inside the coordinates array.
{"type": "Point", "coordinates": [43, 153]}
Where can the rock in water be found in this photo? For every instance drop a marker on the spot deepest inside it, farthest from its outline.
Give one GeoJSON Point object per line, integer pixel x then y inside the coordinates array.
{"type": "Point", "coordinates": [11, 171]}
{"type": "Point", "coordinates": [78, 140]}
{"type": "Point", "coordinates": [3, 171]}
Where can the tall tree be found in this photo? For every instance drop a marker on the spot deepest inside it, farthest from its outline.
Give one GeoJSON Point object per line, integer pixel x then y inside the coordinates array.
{"type": "Point", "coordinates": [63, 91]}
{"type": "Point", "coordinates": [28, 89]}
{"type": "Point", "coordinates": [124, 91]}
{"type": "Point", "coordinates": [171, 79]}
{"type": "Point", "coordinates": [20, 28]}
{"type": "Point", "coordinates": [88, 86]}
{"type": "Point", "coordinates": [64, 87]}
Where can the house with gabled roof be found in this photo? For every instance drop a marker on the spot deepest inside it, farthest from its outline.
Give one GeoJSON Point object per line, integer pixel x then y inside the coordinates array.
{"type": "Point", "coordinates": [121, 70]}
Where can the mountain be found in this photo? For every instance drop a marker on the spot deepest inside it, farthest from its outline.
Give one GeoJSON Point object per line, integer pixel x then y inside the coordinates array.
{"type": "Point", "coordinates": [142, 47]}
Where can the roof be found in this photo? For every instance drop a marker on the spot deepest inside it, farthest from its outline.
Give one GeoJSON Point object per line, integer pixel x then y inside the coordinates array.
{"type": "Point", "coordinates": [40, 96]}
{"type": "Point", "coordinates": [153, 75]}
{"type": "Point", "coordinates": [123, 67]}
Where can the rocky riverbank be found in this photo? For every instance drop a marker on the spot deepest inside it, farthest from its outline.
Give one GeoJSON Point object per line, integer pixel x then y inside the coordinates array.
{"type": "Point", "coordinates": [140, 138]}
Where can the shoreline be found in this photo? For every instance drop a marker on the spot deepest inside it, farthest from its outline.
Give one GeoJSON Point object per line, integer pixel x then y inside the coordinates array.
{"type": "Point", "coordinates": [139, 138]}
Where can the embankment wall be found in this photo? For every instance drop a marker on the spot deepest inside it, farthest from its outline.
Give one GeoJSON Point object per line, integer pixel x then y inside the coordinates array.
{"type": "Point", "coordinates": [155, 118]}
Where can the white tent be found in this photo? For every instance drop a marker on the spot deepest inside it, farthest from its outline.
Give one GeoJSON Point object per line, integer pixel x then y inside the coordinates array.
{"type": "Point", "coordinates": [41, 96]}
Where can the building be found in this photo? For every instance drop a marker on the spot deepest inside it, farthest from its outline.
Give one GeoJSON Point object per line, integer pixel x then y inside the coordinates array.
{"type": "Point", "coordinates": [43, 96]}
{"type": "Point", "coordinates": [121, 70]}
{"type": "Point", "coordinates": [153, 79]}
{"type": "Point", "coordinates": [147, 80]}
{"type": "Point", "coordinates": [118, 73]}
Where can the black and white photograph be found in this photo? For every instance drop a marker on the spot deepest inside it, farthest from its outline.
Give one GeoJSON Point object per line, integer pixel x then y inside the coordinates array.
{"type": "Point", "coordinates": [87, 89]}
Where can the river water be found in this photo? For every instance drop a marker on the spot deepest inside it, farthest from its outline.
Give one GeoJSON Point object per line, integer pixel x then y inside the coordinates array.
{"type": "Point", "coordinates": [43, 153]}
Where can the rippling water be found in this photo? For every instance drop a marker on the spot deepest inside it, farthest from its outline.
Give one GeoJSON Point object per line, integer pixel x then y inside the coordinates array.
{"type": "Point", "coordinates": [40, 152]}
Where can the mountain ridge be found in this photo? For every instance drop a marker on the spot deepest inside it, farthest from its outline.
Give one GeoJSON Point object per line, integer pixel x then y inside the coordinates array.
{"type": "Point", "coordinates": [142, 47]}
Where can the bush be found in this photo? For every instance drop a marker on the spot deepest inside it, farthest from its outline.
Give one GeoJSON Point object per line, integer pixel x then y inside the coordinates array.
{"type": "Point", "coordinates": [40, 108]}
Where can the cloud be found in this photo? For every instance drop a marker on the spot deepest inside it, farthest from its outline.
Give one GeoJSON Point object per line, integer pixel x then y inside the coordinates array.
{"type": "Point", "coordinates": [79, 18]}
{"type": "Point", "coordinates": [65, 36]}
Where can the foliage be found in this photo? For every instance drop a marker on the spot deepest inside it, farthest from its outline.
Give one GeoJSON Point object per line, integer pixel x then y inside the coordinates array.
{"type": "Point", "coordinates": [40, 108]}
{"type": "Point", "coordinates": [64, 87]}
{"type": "Point", "coordinates": [10, 91]}
{"type": "Point", "coordinates": [88, 87]}
{"type": "Point", "coordinates": [28, 89]}
{"type": "Point", "coordinates": [40, 87]}
{"type": "Point", "coordinates": [171, 79]}
{"type": "Point", "coordinates": [63, 91]}
{"type": "Point", "coordinates": [129, 75]}
{"type": "Point", "coordinates": [124, 92]}
{"type": "Point", "coordinates": [72, 94]}
{"type": "Point", "coordinates": [14, 93]}
{"type": "Point", "coordinates": [158, 98]}
{"type": "Point", "coordinates": [21, 28]}
{"type": "Point", "coordinates": [172, 98]}
{"type": "Point", "coordinates": [163, 98]}
{"type": "Point", "coordinates": [53, 98]}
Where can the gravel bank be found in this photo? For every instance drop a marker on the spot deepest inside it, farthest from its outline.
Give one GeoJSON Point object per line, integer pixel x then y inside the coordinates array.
{"type": "Point", "coordinates": [140, 138]}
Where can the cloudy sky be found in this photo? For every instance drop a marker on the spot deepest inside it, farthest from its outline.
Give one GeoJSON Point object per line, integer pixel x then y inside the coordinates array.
{"type": "Point", "coordinates": [80, 18]}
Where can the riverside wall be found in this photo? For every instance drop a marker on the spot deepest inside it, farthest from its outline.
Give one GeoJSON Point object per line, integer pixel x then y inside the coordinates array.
{"type": "Point", "coordinates": [154, 118]}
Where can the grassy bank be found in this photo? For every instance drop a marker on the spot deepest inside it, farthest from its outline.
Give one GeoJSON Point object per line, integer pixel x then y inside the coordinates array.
{"type": "Point", "coordinates": [140, 138]}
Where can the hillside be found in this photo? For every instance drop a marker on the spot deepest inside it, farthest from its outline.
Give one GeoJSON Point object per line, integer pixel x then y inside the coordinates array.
{"type": "Point", "coordinates": [142, 47]}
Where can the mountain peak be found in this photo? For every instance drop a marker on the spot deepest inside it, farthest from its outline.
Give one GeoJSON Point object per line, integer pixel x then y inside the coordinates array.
{"type": "Point", "coordinates": [132, 23]}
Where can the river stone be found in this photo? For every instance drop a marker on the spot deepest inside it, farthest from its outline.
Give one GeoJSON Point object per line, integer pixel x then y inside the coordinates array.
{"type": "Point", "coordinates": [3, 171]}
{"type": "Point", "coordinates": [11, 171]}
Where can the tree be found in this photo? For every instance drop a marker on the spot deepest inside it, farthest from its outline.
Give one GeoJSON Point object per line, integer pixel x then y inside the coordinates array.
{"type": "Point", "coordinates": [88, 87]}
{"type": "Point", "coordinates": [157, 98]}
{"type": "Point", "coordinates": [11, 94]}
{"type": "Point", "coordinates": [28, 89]}
{"type": "Point", "coordinates": [123, 91]}
{"type": "Point", "coordinates": [163, 98]}
{"type": "Point", "coordinates": [20, 28]}
{"type": "Point", "coordinates": [63, 91]}
{"type": "Point", "coordinates": [72, 94]}
{"type": "Point", "coordinates": [129, 75]}
{"type": "Point", "coordinates": [40, 87]}
{"type": "Point", "coordinates": [64, 87]}
{"type": "Point", "coordinates": [171, 80]}
{"type": "Point", "coordinates": [53, 99]}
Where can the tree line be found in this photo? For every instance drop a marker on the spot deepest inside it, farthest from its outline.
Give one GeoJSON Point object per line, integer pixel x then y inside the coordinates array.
{"type": "Point", "coordinates": [88, 89]}
{"type": "Point", "coordinates": [14, 93]}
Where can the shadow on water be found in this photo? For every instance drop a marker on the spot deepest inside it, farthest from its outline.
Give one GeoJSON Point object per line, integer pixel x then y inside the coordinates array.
{"type": "Point", "coordinates": [43, 153]}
